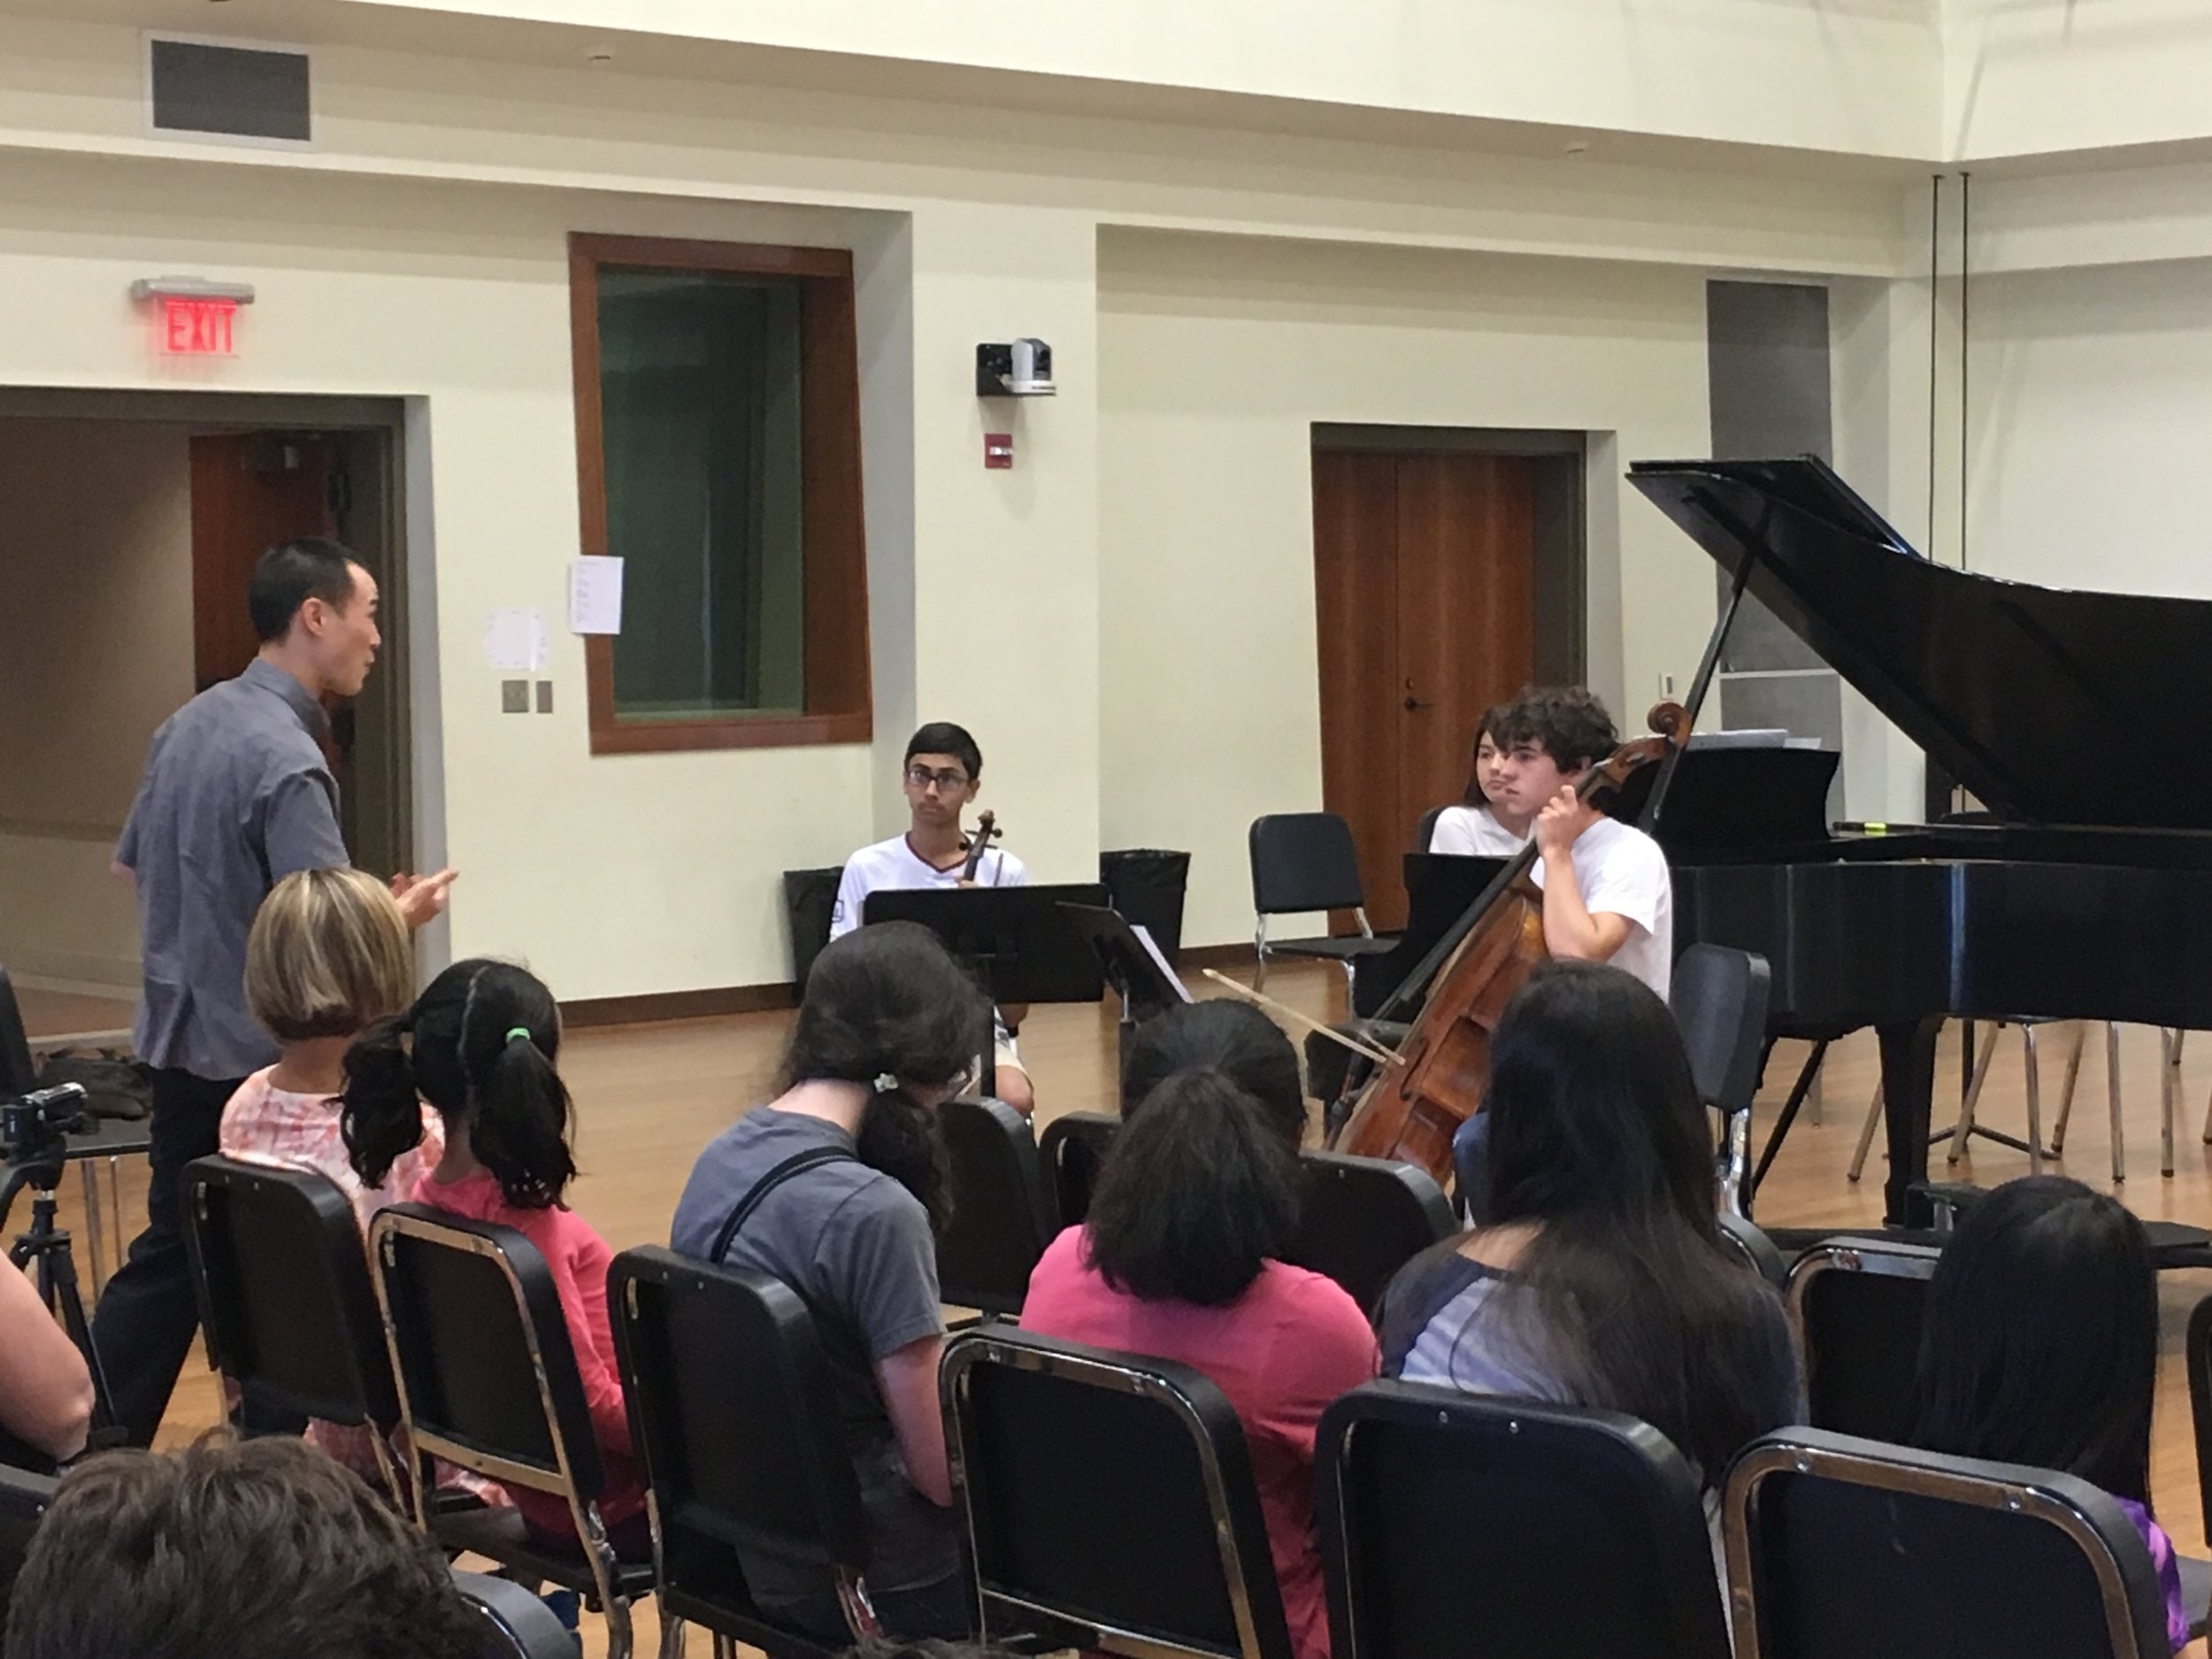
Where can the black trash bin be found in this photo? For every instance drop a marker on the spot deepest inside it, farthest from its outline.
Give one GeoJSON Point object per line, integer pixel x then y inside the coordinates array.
{"type": "Point", "coordinates": [810, 898]}
{"type": "Point", "coordinates": [1146, 885]}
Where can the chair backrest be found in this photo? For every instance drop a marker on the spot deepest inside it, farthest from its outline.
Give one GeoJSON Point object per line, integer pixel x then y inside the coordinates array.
{"type": "Point", "coordinates": [1002, 1209]}
{"type": "Point", "coordinates": [479, 1348]}
{"type": "Point", "coordinates": [1060, 1448]}
{"type": "Point", "coordinates": [25, 1494]}
{"type": "Point", "coordinates": [285, 1300]}
{"type": "Point", "coordinates": [1860, 1305]}
{"type": "Point", "coordinates": [1073, 1149]}
{"type": "Point", "coordinates": [1459, 1523]}
{"type": "Point", "coordinates": [520, 1624]}
{"type": "Point", "coordinates": [2197, 1353]}
{"type": "Point", "coordinates": [1303, 861]}
{"type": "Point", "coordinates": [1365, 1218]}
{"type": "Point", "coordinates": [735, 1425]}
{"type": "Point", "coordinates": [18, 1075]}
{"type": "Point", "coordinates": [1719, 997]}
{"type": "Point", "coordinates": [1757, 1250]}
{"type": "Point", "coordinates": [1840, 1548]}
{"type": "Point", "coordinates": [1427, 831]}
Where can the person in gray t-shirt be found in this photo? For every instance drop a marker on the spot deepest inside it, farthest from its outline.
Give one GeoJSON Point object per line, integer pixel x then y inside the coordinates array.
{"type": "Point", "coordinates": [235, 796]}
{"type": "Point", "coordinates": [845, 1183]}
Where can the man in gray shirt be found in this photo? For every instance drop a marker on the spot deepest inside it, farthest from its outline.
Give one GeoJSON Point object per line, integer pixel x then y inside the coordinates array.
{"type": "Point", "coordinates": [236, 795]}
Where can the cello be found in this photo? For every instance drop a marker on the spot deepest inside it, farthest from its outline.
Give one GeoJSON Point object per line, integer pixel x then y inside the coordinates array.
{"type": "Point", "coordinates": [1410, 1110]}
{"type": "Point", "coordinates": [987, 831]}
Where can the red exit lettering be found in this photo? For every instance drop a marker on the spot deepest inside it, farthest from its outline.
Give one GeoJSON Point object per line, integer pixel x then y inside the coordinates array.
{"type": "Point", "coordinates": [197, 328]}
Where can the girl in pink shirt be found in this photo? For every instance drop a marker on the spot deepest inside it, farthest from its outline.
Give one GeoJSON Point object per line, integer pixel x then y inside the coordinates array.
{"type": "Point", "coordinates": [479, 1046]}
{"type": "Point", "coordinates": [1180, 1257]}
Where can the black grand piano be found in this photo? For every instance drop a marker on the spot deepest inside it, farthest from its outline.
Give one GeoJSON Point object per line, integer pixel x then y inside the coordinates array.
{"type": "Point", "coordinates": [2072, 716]}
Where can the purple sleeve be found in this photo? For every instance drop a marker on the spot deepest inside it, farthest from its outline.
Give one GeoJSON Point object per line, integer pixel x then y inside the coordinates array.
{"type": "Point", "coordinates": [2168, 1570]}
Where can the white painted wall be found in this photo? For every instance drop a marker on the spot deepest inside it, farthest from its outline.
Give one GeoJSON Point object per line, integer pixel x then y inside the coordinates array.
{"type": "Point", "coordinates": [95, 649]}
{"type": "Point", "coordinates": [2044, 77]}
{"type": "Point", "coordinates": [1218, 356]}
{"type": "Point", "coordinates": [1857, 75]}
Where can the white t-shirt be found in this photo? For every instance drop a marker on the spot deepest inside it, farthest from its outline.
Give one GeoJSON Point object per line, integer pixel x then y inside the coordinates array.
{"type": "Point", "coordinates": [892, 863]}
{"type": "Point", "coordinates": [1621, 870]}
{"type": "Point", "coordinates": [1471, 831]}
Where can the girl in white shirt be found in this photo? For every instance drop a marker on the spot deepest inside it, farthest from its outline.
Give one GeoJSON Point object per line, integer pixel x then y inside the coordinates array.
{"type": "Point", "coordinates": [1482, 826]}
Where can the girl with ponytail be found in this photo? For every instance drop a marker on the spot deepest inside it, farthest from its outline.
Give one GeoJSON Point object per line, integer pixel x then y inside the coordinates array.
{"type": "Point", "coordinates": [478, 1047]}
{"type": "Point", "coordinates": [1181, 1256]}
{"type": "Point", "coordinates": [837, 1187]}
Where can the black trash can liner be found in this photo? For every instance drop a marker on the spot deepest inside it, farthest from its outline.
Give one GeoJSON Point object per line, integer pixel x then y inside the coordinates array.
{"type": "Point", "coordinates": [1146, 885]}
{"type": "Point", "coordinates": [809, 897]}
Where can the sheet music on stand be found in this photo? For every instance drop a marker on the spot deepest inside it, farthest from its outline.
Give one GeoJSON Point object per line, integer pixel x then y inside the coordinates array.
{"type": "Point", "coordinates": [1130, 959]}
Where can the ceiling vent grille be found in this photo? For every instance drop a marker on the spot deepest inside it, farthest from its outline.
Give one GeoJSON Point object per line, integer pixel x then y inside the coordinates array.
{"type": "Point", "coordinates": [223, 89]}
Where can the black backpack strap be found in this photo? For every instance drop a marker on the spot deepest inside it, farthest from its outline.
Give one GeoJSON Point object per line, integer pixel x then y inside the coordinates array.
{"type": "Point", "coordinates": [798, 1163]}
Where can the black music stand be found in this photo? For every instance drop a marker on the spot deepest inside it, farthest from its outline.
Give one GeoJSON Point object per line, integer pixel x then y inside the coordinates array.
{"type": "Point", "coordinates": [1017, 942]}
{"type": "Point", "coordinates": [1133, 966]}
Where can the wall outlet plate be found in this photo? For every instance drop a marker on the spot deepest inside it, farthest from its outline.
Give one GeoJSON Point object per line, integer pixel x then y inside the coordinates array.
{"type": "Point", "coordinates": [545, 697]}
{"type": "Point", "coordinates": [514, 696]}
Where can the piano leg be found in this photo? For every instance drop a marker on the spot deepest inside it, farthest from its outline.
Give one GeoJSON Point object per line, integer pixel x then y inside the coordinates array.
{"type": "Point", "coordinates": [1909, 1050]}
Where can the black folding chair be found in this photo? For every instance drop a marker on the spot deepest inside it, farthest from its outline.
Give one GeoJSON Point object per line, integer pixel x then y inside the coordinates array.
{"type": "Point", "coordinates": [1840, 1548]}
{"type": "Point", "coordinates": [1459, 1523]}
{"type": "Point", "coordinates": [1002, 1209]}
{"type": "Point", "coordinates": [286, 1305]}
{"type": "Point", "coordinates": [1720, 997]}
{"type": "Point", "coordinates": [1860, 1304]}
{"type": "Point", "coordinates": [488, 1380]}
{"type": "Point", "coordinates": [737, 1433]}
{"type": "Point", "coordinates": [1365, 1218]}
{"type": "Point", "coordinates": [1110, 1501]}
{"type": "Point", "coordinates": [1302, 862]}
{"type": "Point", "coordinates": [1757, 1251]}
{"type": "Point", "coordinates": [25, 1496]}
{"type": "Point", "coordinates": [1073, 1149]}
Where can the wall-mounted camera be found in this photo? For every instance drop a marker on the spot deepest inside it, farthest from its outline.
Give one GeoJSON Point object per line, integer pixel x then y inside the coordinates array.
{"type": "Point", "coordinates": [1020, 368]}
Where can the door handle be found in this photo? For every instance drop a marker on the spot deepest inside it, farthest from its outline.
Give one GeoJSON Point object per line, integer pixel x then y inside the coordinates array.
{"type": "Point", "coordinates": [1415, 702]}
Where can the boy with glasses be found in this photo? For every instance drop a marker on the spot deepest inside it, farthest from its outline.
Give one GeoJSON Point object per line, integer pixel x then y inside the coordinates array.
{"type": "Point", "coordinates": [943, 774]}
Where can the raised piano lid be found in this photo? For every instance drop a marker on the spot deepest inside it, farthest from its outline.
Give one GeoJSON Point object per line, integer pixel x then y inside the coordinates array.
{"type": "Point", "coordinates": [2053, 706]}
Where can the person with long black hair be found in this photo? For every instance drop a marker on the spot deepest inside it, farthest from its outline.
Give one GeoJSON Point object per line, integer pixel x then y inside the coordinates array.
{"type": "Point", "coordinates": [480, 1046]}
{"type": "Point", "coordinates": [1598, 1277]}
{"type": "Point", "coordinates": [2040, 1346]}
{"type": "Point", "coordinates": [1181, 1256]}
{"type": "Point", "coordinates": [838, 1187]}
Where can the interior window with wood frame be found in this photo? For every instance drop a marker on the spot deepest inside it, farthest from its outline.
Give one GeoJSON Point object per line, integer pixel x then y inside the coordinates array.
{"type": "Point", "coordinates": [718, 433]}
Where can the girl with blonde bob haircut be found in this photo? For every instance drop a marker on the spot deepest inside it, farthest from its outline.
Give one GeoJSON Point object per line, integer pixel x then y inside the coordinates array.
{"type": "Point", "coordinates": [328, 957]}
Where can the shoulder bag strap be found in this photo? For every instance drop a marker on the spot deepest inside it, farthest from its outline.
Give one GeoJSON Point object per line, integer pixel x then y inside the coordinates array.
{"type": "Point", "coordinates": [798, 1163]}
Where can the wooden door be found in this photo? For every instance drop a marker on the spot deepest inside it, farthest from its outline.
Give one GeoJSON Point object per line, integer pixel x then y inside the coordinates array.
{"type": "Point", "coordinates": [1424, 576]}
{"type": "Point", "coordinates": [249, 491]}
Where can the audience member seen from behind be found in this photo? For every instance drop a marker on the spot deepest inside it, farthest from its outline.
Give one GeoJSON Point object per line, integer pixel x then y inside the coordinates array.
{"type": "Point", "coordinates": [328, 957]}
{"type": "Point", "coordinates": [45, 1386]}
{"type": "Point", "coordinates": [259, 1550]}
{"type": "Point", "coordinates": [1181, 1257]}
{"type": "Point", "coordinates": [837, 1187]}
{"type": "Point", "coordinates": [1600, 1278]}
{"type": "Point", "coordinates": [2040, 1346]}
{"type": "Point", "coordinates": [480, 1045]}
{"type": "Point", "coordinates": [1483, 824]}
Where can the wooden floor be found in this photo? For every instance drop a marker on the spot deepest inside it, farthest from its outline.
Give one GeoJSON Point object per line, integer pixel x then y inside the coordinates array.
{"type": "Point", "coordinates": [649, 1096]}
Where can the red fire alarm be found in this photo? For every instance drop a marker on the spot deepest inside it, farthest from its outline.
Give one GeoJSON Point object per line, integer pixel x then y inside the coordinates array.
{"type": "Point", "coordinates": [998, 451]}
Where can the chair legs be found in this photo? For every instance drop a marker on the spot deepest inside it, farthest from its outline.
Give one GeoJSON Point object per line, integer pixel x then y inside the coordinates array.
{"type": "Point", "coordinates": [2112, 1096]}
{"type": "Point", "coordinates": [672, 1636]}
{"type": "Point", "coordinates": [725, 1646]}
{"type": "Point", "coordinates": [2168, 1096]}
{"type": "Point", "coordinates": [1259, 952]}
{"type": "Point", "coordinates": [1736, 1165]}
{"type": "Point", "coordinates": [2066, 1090]}
{"type": "Point", "coordinates": [1963, 1128]}
{"type": "Point", "coordinates": [1866, 1134]}
{"type": "Point", "coordinates": [2035, 1100]}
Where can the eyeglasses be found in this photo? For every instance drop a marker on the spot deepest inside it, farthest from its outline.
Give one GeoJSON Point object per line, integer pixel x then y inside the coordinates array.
{"type": "Point", "coordinates": [922, 777]}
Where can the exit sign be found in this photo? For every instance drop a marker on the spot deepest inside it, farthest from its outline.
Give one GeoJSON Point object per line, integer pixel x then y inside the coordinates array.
{"type": "Point", "coordinates": [194, 328]}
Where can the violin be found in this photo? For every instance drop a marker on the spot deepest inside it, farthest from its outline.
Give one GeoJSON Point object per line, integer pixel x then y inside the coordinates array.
{"type": "Point", "coordinates": [987, 831]}
{"type": "Point", "coordinates": [1409, 1111]}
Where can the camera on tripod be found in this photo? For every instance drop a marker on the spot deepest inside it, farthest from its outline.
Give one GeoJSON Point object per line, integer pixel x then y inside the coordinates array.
{"type": "Point", "coordinates": [36, 1126]}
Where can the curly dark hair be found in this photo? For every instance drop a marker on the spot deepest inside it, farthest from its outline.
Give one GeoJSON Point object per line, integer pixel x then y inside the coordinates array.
{"type": "Point", "coordinates": [1221, 1034]}
{"type": "Point", "coordinates": [1566, 722]}
{"type": "Point", "coordinates": [254, 1550]}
